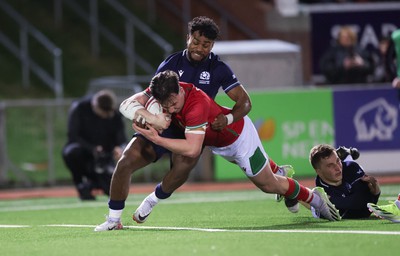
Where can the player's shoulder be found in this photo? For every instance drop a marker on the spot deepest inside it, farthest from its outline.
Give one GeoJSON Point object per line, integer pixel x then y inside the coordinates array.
{"type": "Point", "coordinates": [352, 170]}
{"type": "Point", "coordinates": [191, 90]}
{"type": "Point", "coordinates": [186, 86]}
{"type": "Point", "coordinates": [351, 165]}
{"type": "Point", "coordinates": [176, 55]}
{"type": "Point", "coordinates": [215, 59]}
{"type": "Point", "coordinates": [171, 59]}
{"type": "Point", "coordinates": [218, 66]}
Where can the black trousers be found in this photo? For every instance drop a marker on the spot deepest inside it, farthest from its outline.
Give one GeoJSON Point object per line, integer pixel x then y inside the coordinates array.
{"type": "Point", "coordinates": [81, 163]}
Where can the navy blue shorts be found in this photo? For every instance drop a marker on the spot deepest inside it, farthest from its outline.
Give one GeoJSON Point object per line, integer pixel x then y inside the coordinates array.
{"type": "Point", "coordinates": [173, 132]}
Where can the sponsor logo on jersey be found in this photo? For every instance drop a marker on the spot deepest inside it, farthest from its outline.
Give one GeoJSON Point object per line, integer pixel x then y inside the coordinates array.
{"type": "Point", "coordinates": [180, 72]}
{"type": "Point", "coordinates": [204, 78]}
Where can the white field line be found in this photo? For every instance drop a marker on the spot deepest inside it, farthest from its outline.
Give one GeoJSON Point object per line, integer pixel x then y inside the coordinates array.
{"type": "Point", "coordinates": [15, 226]}
{"type": "Point", "coordinates": [362, 232]}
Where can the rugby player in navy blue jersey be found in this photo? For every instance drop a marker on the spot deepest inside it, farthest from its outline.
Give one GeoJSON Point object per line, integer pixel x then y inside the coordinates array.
{"type": "Point", "coordinates": [199, 66]}
{"type": "Point", "coordinates": [345, 182]}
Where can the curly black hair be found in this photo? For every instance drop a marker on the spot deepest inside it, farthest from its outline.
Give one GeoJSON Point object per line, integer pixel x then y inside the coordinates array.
{"type": "Point", "coordinates": [206, 27]}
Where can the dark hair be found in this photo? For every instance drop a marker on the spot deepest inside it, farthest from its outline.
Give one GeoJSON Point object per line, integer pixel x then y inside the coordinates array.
{"type": "Point", "coordinates": [320, 152]}
{"type": "Point", "coordinates": [105, 100]}
{"type": "Point", "coordinates": [163, 85]}
{"type": "Point", "coordinates": [206, 27]}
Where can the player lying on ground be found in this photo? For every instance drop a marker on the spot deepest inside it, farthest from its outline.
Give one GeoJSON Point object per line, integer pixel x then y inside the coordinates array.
{"type": "Point", "coordinates": [344, 180]}
{"type": "Point", "coordinates": [191, 111]}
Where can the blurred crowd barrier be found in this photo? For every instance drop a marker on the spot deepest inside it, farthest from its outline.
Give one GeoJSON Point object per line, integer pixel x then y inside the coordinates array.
{"type": "Point", "coordinates": [32, 134]}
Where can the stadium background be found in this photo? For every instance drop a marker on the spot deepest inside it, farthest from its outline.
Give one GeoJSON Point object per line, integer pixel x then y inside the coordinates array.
{"type": "Point", "coordinates": [289, 119]}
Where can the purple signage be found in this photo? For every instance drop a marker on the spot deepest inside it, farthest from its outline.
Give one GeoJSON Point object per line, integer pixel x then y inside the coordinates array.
{"type": "Point", "coordinates": [368, 119]}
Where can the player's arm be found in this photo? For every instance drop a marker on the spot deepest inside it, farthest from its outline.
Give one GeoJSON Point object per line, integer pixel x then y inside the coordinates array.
{"type": "Point", "coordinates": [190, 146]}
{"type": "Point", "coordinates": [241, 108]}
{"type": "Point", "coordinates": [133, 109]}
{"type": "Point", "coordinates": [372, 183]}
{"type": "Point", "coordinates": [358, 199]}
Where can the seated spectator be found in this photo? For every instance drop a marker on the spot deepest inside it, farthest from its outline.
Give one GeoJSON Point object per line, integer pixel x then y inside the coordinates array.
{"type": "Point", "coordinates": [345, 62]}
{"type": "Point", "coordinates": [96, 136]}
{"type": "Point", "coordinates": [345, 182]}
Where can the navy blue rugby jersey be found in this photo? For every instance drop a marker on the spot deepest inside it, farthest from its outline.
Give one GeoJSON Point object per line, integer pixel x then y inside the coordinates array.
{"type": "Point", "coordinates": [352, 196]}
{"type": "Point", "coordinates": [209, 75]}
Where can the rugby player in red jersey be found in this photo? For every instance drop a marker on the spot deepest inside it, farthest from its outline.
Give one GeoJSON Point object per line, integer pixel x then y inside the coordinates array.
{"type": "Point", "coordinates": [197, 64]}
{"type": "Point", "coordinates": [192, 111]}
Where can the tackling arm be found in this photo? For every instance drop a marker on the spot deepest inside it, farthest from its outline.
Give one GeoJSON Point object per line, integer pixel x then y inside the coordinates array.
{"type": "Point", "coordinates": [191, 146]}
{"type": "Point", "coordinates": [241, 108]}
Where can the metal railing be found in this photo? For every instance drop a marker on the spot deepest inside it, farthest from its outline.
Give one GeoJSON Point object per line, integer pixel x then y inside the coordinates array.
{"type": "Point", "coordinates": [126, 46]}
{"type": "Point", "coordinates": [35, 136]}
{"type": "Point", "coordinates": [123, 86]}
{"type": "Point", "coordinates": [21, 51]}
{"type": "Point", "coordinates": [31, 144]}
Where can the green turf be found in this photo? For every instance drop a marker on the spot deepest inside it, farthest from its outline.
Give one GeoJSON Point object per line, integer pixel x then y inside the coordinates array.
{"type": "Point", "coordinates": [206, 223]}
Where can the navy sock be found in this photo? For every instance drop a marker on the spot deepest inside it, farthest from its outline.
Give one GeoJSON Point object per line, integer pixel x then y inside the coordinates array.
{"type": "Point", "coordinates": [160, 193]}
{"type": "Point", "coordinates": [116, 205]}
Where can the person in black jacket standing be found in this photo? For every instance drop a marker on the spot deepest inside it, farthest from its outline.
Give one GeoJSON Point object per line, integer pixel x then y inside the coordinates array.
{"type": "Point", "coordinates": [344, 180]}
{"type": "Point", "coordinates": [96, 138]}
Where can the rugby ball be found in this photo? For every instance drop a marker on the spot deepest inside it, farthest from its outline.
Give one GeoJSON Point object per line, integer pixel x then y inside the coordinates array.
{"type": "Point", "coordinates": [153, 106]}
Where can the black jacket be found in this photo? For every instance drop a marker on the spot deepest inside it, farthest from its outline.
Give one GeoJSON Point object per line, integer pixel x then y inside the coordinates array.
{"type": "Point", "coordinates": [331, 65]}
{"type": "Point", "coordinates": [90, 130]}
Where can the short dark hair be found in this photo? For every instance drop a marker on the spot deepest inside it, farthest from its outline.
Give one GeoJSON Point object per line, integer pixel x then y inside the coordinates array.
{"type": "Point", "coordinates": [206, 27]}
{"type": "Point", "coordinates": [163, 85]}
{"type": "Point", "coordinates": [105, 100]}
{"type": "Point", "coordinates": [320, 152]}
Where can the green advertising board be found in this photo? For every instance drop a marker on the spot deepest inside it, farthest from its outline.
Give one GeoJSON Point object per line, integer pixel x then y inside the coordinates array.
{"type": "Point", "coordinates": [289, 124]}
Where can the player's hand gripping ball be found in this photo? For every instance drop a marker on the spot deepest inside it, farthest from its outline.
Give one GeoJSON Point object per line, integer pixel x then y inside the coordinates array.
{"type": "Point", "coordinates": [155, 108]}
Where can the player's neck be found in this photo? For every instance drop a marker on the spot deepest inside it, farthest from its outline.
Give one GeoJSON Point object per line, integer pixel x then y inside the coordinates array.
{"type": "Point", "coordinates": [333, 183]}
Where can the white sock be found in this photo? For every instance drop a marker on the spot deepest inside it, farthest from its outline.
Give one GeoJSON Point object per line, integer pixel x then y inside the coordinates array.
{"type": "Point", "coordinates": [316, 201]}
{"type": "Point", "coordinates": [114, 215]}
{"type": "Point", "coordinates": [153, 197]}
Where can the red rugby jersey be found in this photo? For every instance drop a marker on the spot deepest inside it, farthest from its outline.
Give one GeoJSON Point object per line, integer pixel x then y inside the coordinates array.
{"type": "Point", "coordinates": [199, 109]}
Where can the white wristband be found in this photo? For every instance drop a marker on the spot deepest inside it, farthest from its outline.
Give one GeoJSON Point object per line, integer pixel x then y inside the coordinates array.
{"type": "Point", "coordinates": [229, 119]}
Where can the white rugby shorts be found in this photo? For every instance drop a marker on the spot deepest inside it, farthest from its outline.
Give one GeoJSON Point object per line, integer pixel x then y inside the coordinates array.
{"type": "Point", "coordinates": [247, 151]}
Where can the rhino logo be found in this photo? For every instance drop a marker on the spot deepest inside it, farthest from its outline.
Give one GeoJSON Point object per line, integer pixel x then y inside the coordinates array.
{"type": "Point", "coordinates": [376, 120]}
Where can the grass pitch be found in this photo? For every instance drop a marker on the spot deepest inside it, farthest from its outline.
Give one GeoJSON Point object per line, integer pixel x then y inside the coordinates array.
{"type": "Point", "coordinates": [206, 223]}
